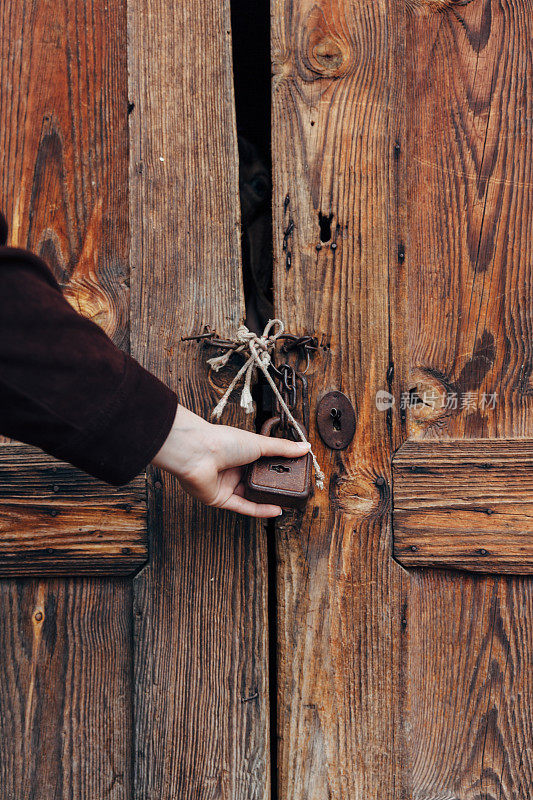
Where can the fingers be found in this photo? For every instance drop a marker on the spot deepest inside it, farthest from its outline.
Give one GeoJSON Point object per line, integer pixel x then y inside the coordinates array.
{"type": "Point", "coordinates": [237, 447]}
{"type": "Point", "coordinates": [271, 446]}
{"type": "Point", "coordinates": [243, 506]}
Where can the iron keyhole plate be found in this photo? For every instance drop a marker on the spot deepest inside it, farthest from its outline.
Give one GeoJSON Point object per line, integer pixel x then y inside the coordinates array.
{"type": "Point", "coordinates": [335, 418]}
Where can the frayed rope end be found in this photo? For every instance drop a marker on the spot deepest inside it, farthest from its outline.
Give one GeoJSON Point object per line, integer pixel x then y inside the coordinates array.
{"type": "Point", "coordinates": [247, 401]}
{"type": "Point", "coordinates": [218, 409]}
{"type": "Point", "coordinates": [217, 362]}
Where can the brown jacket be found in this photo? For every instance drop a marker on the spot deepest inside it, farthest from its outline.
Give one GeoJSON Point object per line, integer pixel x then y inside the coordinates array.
{"type": "Point", "coordinates": [64, 386]}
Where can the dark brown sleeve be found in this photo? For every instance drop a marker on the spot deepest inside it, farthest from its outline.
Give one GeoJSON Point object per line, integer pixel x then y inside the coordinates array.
{"type": "Point", "coordinates": [65, 387]}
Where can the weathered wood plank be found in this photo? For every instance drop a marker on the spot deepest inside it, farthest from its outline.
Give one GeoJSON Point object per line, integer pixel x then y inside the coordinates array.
{"type": "Point", "coordinates": [65, 694]}
{"type": "Point", "coordinates": [464, 504]}
{"type": "Point", "coordinates": [64, 146]}
{"type": "Point", "coordinates": [65, 697]}
{"type": "Point", "coordinates": [337, 128]}
{"type": "Point", "coordinates": [470, 690]}
{"type": "Point", "coordinates": [55, 520]}
{"type": "Point", "coordinates": [469, 256]}
{"type": "Point", "coordinates": [201, 704]}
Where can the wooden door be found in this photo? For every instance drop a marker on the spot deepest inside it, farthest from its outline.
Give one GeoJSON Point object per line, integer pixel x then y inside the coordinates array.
{"type": "Point", "coordinates": [119, 166]}
{"type": "Point", "coordinates": [402, 158]}
{"type": "Point", "coordinates": [134, 655]}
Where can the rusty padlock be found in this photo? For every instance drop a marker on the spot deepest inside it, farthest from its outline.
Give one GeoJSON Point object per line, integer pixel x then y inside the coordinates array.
{"type": "Point", "coordinates": [286, 482]}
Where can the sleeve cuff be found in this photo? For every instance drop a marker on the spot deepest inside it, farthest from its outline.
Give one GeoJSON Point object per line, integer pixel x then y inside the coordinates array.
{"type": "Point", "coordinates": [124, 438]}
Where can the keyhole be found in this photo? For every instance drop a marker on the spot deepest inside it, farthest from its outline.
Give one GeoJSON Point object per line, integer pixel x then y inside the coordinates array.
{"type": "Point", "coordinates": [325, 226]}
{"type": "Point", "coordinates": [280, 468]}
{"type": "Point", "coordinates": [335, 415]}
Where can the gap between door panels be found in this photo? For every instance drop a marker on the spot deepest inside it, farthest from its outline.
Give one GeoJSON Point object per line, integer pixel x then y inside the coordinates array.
{"type": "Point", "coordinates": [252, 84]}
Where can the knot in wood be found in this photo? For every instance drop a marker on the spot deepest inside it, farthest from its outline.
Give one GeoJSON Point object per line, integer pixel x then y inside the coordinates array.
{"type": "Point", "coordinates": [92, 301]}
{"type": "Point", "coordinates": [360, 494]}
{"type": "Point", "coordinates": [325, 52]}
{"type": "Point", "coordinates": [428, 398]}
{"type": "Point", "coordinates": [327, 56]}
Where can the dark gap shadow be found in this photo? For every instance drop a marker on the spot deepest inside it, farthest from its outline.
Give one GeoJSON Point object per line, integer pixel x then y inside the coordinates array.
{"type": "Point", "coordinates": [252, 80]}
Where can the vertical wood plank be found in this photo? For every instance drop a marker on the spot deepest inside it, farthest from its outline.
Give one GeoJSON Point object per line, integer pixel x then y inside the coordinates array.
{"type": "Point", "coordinates": [337, 128]}
{"type": "Point", "coordinates": [65, 730]}
{"type": "Point", "coordinates": [470, 690]}
{"type": "Point", "coordinates": [470, 91]}
{"type": "Point", "coordinates": [470, 212]}
{"type": "Point", "coordinates": [201, 705]}
{"type": "Point", "coordinates": [64, 148]}
{"type": "Point", "coordinates": [65, 697]}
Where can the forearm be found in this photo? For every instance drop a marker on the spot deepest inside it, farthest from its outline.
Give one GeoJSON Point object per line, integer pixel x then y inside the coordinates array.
{"type": "Point", "coordinates": [65, 387]}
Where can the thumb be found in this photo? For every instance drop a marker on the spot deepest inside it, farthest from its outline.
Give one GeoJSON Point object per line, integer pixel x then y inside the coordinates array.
{"type": "Point", "coordinates": [287, 448]}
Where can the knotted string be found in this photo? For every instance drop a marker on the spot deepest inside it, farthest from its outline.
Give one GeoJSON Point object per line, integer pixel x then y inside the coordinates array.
{"type": "Point", "coordinates": [260, 349]}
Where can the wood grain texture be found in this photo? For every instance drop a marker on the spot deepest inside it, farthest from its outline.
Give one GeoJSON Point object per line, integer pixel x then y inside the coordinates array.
{"type": "Point", "coordinates": [464, 504]}
{"type": "Point", "coordinates": [337, 128]}
{"type": "Point", "coordinates": [469, 254]}
{"type": "Point", "coordinates": [65, 698]}
{"type": "Point", "coordinates": [201, 673]}
{"type": "Point", "coordinates": [65, 693]}
{"type": "Point", "coordinates": [55, 520]}
{"type": "Point", "coordinates": [470, 177]}
{"type": "Point", "coordinates": [470, 689]}
{"type": "Point", "coordinates": [64, 148]}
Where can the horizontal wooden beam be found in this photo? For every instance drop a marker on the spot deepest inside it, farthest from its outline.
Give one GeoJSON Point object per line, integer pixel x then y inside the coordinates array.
{"type": "Point", "coordinates": [56, 520]}
{"type": "Point", "coordinates": [464, 504]}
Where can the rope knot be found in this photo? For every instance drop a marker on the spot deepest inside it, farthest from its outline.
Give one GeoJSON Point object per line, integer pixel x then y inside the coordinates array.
{"type": "Point", "coordinates": [244, 334]}
{"type": "Point", "coordinates": [260, 349]}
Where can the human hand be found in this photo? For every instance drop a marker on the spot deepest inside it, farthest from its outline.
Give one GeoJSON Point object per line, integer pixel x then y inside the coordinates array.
{"type": "Point", "coordinates": [208, 461]}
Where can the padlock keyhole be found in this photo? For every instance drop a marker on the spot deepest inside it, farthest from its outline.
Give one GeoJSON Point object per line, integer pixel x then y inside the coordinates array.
{"type": "Point", "coordinates": [280, 468]}
{"type": "Point", "coordinates": [335, 415]}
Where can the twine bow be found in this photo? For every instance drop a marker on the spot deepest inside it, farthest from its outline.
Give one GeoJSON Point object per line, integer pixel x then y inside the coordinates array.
{"type": "Point", "coordinates": [260, 349]}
